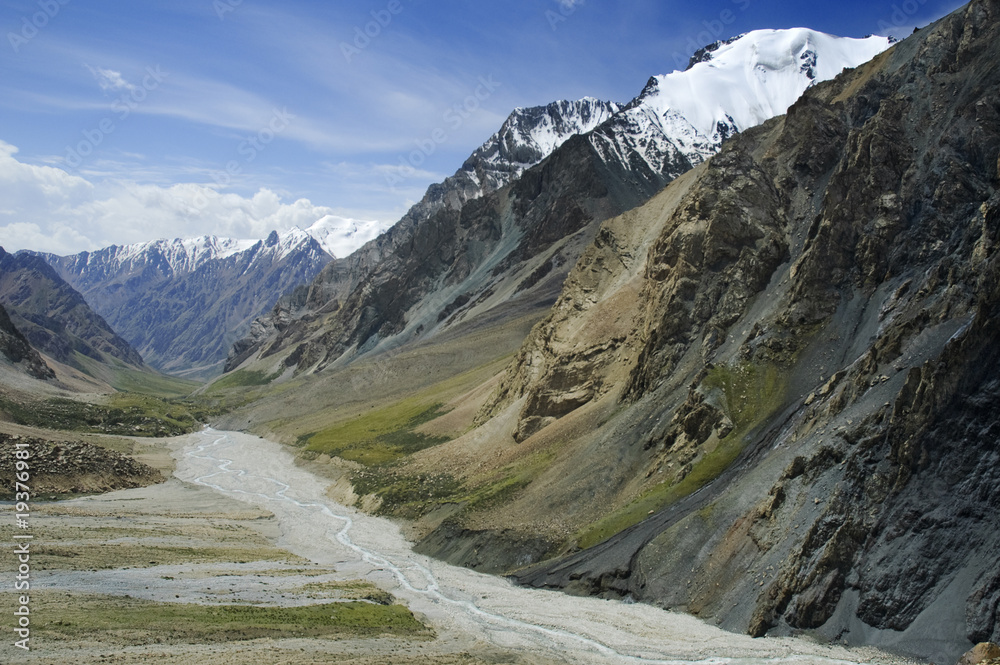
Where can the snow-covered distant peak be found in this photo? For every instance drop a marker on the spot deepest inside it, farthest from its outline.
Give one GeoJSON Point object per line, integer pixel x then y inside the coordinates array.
{"type": "Point", "coordinates": [340, 236]}
{"type": "Point", "coordinates": [280, 245]}
{"type": "Point", "coordinates": [336, 236]}
{"type": "Point", "coordinates": [210, 246]}
{"type": "Point", "coordinates": [740, 83]}
{"type": "Point", "coordinates": [185, 255]}
{"type": "Point", "coordinates": [181, 254]}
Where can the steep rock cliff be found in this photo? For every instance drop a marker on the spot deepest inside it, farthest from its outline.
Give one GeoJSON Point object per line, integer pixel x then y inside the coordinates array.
{"type": "Point", "coordinates": [788, 361]}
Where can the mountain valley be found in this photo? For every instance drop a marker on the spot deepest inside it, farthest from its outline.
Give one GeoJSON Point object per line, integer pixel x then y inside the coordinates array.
{"type": "Point", "coordinates": [728, 349]}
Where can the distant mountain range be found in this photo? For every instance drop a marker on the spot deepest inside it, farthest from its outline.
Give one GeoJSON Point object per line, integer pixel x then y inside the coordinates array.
{"type": "Point", "coordinates": [181, 303]}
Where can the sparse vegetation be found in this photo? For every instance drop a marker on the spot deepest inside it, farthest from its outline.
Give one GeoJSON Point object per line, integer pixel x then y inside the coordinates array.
{"type": "Point", "coordinates": [351, 590]}
{"type": "Point", "coordinates": [129, 414]}
{"type": "Point", "coordinates": [152, 541]}
{"type": "Point", "coordinates": [243, 378]}
{"type": "Point", "coordinates": [750, 395]}
{"type": "Point", "coordinates": [381, 436]}
{"type": "Point", "coordinates": [750, 392]}
{"type": "Point", "coordinates": [157, 385]}
{"type": "Point", "coordinates": [413, 495]}
{"type": "Point", "coordinates": [94, 556]}
{"type": "Point", "coordinates": [136, 621]}
{"type": "Point", "coordinates": [405, 495]}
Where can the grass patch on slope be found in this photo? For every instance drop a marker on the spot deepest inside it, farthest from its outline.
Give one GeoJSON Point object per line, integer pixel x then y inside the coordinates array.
{"type": "Point", "coordinates": [413, 495]}
{"type": "Point", "coordinates": [132, 621]}
{"type": "Point", "coordinates": [158, 385]}
{"type": "Point", "coordinates": [750, 395]}
{"type": "Point", "coordinates": [242, 378]}
{"type": "Point", "coordinates": [380, 436]}
{"type": "Point", "coordinates": [406, 495]}
{"type": "Point", "coordinates": [384, 436]}
{"type": "Point", "coordinates": [375, 401]}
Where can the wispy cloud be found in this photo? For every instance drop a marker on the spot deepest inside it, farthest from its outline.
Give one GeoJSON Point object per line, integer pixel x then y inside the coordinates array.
{"type": "Point", "coordinates": [109, 80]}
{"type": "Point", "coordinates": [47, 209]}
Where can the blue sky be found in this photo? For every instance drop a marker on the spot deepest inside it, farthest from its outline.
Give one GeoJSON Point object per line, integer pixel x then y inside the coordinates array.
{"type": "Point", "coordinates": [124, 122]}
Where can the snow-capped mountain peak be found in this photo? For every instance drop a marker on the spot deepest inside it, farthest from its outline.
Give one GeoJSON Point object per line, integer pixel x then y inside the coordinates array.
{"type": "Point", "coordinates": [336, 236]}
{"type": "Point", "coordinates": [728, 87]}
{"type": "Point", "coordinates": [185, 255]}
{"type": "Point", "coordinates": [757, 76]}
{"type": "Point", "coordinates": [182, 255]}
{"type": "Point", "coordinates": [531, 134]}
{"type": "Point", "coordinates": [340, 236]}
{"type": "Point", "coordinates": [177, 301]}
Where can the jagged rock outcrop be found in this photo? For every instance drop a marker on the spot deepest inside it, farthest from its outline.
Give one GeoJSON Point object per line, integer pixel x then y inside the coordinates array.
{"type": "Point", "coordinates": [65, 468]}
{"type": "Point", "coordinates": [984, 653]}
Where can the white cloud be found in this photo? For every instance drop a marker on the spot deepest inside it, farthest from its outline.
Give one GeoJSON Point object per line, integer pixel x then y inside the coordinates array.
{"type": "Point", "coordinates": [109, 80]}
{"type": "Point", "coordinates": [571, 4]}
{"type": "Point", "coordinates": [49, 210]}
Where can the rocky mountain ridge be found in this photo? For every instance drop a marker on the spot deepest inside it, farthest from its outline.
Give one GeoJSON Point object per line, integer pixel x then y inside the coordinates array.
{"type": "Point", "coordinates": [784, 371]}
{"type": "Point", "coordinates": [483, 237]}
{"type": "Point", "coordinates": [55, 318]}
{"type": "Point", "coordinates": [529, 135]}
{"type": "Point", "coordinates": [16, 349]}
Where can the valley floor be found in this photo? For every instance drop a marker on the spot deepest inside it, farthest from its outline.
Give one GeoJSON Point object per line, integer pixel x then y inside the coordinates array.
{"type": "Point", "coordinates": [147, 575]}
